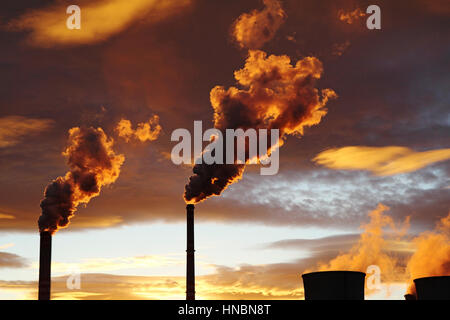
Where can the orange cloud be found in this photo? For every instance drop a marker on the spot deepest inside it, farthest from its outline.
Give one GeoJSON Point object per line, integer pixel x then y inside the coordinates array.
{"type": "Point", "coordinates": [6, 216]}
{"type": "Point", "coordinates": [350, 16]}
{"type": "Point", "coordinates": [253, 30]}
{"type": "Point", "coordinates": [382, 161]}
{"type": "Point", "coordinates": [371, 249]}
{"type": "Point", "coordinates": [14, 128]}
{"type": "Point", "coordinates": [145, 131]}
{"type": "Point", "coordinates": [100, 20]}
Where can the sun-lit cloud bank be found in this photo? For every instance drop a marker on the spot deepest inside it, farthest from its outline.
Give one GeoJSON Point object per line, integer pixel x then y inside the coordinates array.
{"type": "Point", "coordinates": [381, 161]}
{"type": "Point", "coordinates": [100, 20]}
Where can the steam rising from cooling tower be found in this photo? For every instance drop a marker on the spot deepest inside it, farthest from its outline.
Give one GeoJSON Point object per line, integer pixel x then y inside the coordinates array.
{"type": "Point", "coordinates": [93, 164]}
{"type": "Point", "coordinates": [431, 258]}
{"type": "Point", "coordinates": [272, 94]}
{"type": "Point", "coordinates": [373, 249]}
{"type": "Point", "coordinates": [432, 255]}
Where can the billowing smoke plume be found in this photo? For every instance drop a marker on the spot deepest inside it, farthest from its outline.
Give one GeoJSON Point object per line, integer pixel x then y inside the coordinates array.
{"type": "Point", "coordinates": [93, 164]}
{"type": "Point", "coordinates": [145, 131]}
{"type": "Point", "coordinates": [432, 255]}
{"type": "Point", "coordinates": [274, 94]}
{"type": "Point", "coordinates": [372, 248]}
{"type": "Point", "coordinates": [253, 30]}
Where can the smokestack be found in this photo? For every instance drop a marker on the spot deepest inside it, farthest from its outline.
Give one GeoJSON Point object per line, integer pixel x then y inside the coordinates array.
{"type": "Point", "coordinates": [45, 260]}
{"type": "Point", "coordinates": [190, 265]}
{"type": "Point", "coordinates": [433, 288]}
{"type": "Point", "coordinates": [334, 285]}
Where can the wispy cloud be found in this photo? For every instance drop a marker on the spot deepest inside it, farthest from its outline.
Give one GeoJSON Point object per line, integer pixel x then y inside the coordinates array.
{"type": "Point", "coordinates": [100, 20]}
{"type": "Point", "coordinates": [381, 161]}
{"type": "Point", "coordinates": [15, 128]}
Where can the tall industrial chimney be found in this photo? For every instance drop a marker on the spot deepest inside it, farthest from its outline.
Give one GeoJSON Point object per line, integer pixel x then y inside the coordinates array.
{"type": "Point", "coordinates": [433, 288]}
{"type": "Point", "coordinates": [190, 264]}
{"type": "Point", "coordinates": [334, 285]}
{"type": "Point", "coordinates": [45, 261]}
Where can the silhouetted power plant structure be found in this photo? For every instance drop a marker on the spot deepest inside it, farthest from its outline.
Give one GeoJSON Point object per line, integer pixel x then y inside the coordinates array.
{"type": "Point", "coordinates": [334, 285]}
{"type": "Point", "coordinates": [190, 262]}
{"type": "Point", "coordinates": [45, 263]}
{"type": "Point", "coordinates": [433, 288]}
{"type": "Point", "coordinates": [322, 285]}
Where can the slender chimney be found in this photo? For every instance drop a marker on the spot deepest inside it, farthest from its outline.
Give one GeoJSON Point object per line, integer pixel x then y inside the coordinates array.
{"type": "Point", "coordinates": [45, 260]}
{"type": "Point", "coordinates": [190, 265]}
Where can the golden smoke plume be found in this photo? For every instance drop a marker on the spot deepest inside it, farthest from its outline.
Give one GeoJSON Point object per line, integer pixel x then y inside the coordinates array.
{"type": "Point", "coordinates": [93, 164]}
{"type": "Point", "coordinates": [274, 94]}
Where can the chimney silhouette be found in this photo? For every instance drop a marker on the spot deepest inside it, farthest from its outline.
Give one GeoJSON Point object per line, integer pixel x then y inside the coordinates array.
{"type": "Point", "coordinates": [190, 264]}
{"type": "Point", "coordinates": [334, 285]}
{"type": "Point", "coordinates": [433, 288]}
{"type": "Point", "coordinates": [45, 261]}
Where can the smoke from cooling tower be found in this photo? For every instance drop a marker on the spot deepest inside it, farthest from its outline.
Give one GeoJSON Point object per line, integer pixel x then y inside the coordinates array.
{"type": "Point", "coordinates": [372, 248]}
{"type": "Point", "coordinates": [93, 164]}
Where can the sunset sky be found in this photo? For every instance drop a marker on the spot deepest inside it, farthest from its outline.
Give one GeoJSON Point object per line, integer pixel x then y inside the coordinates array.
{"type": "Point", "coordinates": [373, 172]}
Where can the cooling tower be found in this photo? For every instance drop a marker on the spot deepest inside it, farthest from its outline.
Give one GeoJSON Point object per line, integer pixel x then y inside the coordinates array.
{"type": "Point", "coordinates": [45, 260]}
{"type": "Point", "coordinates": [409, 296]}
{"type": "Point", "coordinates": [190, 264]}
{"type": "Point", "coordinates": [334, 285]}
{"type": "Point", "coordinates": [433, 288]}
